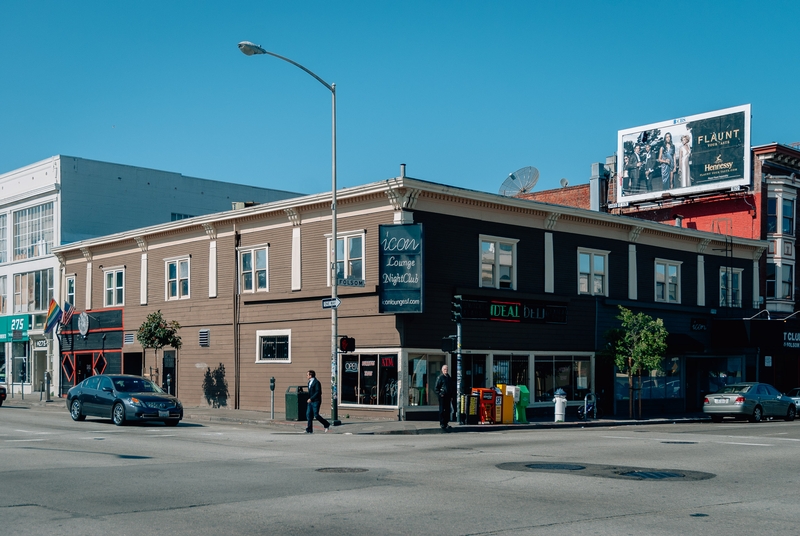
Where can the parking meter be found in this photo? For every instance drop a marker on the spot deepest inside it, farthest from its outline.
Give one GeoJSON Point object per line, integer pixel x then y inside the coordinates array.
{"type": "Point", "coordinates": [272, 398]}
{"type": "Point", "coordinates": [169, 383]}
{"type": "Point", "coordinates": [272, 383]}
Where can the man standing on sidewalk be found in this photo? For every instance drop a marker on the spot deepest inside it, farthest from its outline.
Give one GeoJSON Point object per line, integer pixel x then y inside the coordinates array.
{"type": "Point", "coordinates": [446, 391]}
{"type": "Point", "coordinates": [314, 401]}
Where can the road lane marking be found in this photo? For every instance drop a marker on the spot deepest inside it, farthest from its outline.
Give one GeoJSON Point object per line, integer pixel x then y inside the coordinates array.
{"type": "Point", "coordinates": [23, 440]}
{"type": "Point", "coordinates": [744, 444]}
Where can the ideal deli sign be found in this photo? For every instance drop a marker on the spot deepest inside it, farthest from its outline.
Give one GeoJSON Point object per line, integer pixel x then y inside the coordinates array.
{"type": "Point", "coordinates": [498, 310]}
{"type": "Point", "coordinates": [400, 288]}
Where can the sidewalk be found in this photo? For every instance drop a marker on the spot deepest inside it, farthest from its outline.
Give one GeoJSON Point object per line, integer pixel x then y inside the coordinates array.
{"type": "Point", "coordinates": [362, 426]}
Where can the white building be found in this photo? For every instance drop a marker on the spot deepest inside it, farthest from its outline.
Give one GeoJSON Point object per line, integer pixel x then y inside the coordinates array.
{"type": "Point", "coordinates": [64, 199]}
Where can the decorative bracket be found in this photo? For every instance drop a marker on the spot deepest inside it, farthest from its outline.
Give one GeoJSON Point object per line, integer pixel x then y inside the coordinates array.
{"type": "Point", "coordinates": [633, 234]}
{"type": "Point", "coordinates": [293, 215]}
{"type": "Point", "coordinates": [87, 254]}
{"type": "Point", "coordinates": [550, 220]}
{"type": "Point", "coordinates": [211, 231]}
{"type": "Point", "coordinates": [402, 198]}
{"type": "Point", "coordinates": [142, 243]}
{"type": "Point", "coordinates": [703, 244]}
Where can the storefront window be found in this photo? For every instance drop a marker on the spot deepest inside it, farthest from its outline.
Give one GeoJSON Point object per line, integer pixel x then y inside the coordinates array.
{"type": "Point", "coordinates": [423, 371]}
{"type": "Point", "coordinates": [572, 374]}
{"type": "Point", "coordinates": [511, 370]}
{"type": "Point", "coordinates": [369, 379]}
{"type": "Point", "coordinates": [663, 383]}
{"type": "Point", "coordinates": [19, 352]}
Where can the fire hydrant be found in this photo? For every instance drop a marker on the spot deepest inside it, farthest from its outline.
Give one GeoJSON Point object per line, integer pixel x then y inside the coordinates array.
{"type": "Point", "coordinates": [560, 399]}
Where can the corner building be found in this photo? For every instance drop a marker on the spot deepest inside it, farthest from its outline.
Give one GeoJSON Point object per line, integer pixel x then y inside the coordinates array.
{"type": "Point", "coordinates": [541, 284]}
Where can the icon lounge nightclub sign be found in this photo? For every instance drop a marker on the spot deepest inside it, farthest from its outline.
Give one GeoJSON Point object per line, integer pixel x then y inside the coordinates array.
{"type": "Point", "coordinates": [400, 289]}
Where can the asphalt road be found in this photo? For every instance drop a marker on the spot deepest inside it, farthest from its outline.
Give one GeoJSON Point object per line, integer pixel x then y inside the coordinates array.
{"type": "Point", "coordinates": [62, 477]}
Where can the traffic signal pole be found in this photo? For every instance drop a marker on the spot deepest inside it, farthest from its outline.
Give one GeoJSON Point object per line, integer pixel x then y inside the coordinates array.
{"type": "Point", "coordinates": [457, 316]}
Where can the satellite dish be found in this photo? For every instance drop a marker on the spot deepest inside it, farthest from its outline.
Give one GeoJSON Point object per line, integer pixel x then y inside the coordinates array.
{"type": "Point", "coordinates": [521, 181]}
{"type": "Point", "coordinates": [564, 183]}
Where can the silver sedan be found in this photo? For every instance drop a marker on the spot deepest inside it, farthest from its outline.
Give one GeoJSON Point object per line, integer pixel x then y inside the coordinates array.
{"type": "Point", "coordinates": [750, 400]}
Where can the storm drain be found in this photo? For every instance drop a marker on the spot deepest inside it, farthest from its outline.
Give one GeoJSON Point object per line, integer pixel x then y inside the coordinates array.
{"type": "Point", "coordinates": [342, 470]}
{"type": "Point", "coordinates": [651, 475]}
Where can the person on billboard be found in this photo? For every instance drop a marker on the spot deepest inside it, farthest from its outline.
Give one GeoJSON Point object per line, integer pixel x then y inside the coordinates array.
{"type": "Point", "coordinates": [684, 153]}
{"type": "Point", "coordinates": [635, 167]}
{"type": "Point", "coordinates": [666, 157]}
{"type": "Point", "coordinates": [650, 164]}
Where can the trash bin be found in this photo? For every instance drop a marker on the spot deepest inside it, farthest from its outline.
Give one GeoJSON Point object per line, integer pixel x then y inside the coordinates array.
{"type": "Point", "coordinates": [296, 402]}
{"type": "Point", "coordinates": [560, 400]}
{"type": "Point", "coordinates": [522, 405]}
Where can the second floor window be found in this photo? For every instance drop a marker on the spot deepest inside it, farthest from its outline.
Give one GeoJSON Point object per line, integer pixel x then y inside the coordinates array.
{"type": "Point", "coordinates": [70, 294]}
{"type": "Point", "coordinates": [4, 295]}
{"type": "Point", "coordinates": [787, 216]}
{"type": "Point", "coordinates": [772, 215]}
{"type": "Point", "coordinates": [254, 270]}
{"type": "Point", "coordinates": [114, 288]}
{"type": "Point", "coordinates": [178, 279]}
{"type": "Point", "coordinates": [593, 272]}
{"type": "Point", "coordinates": [668, 281]}
{"type": "Point", "coordinates": [3, 238]}
{"type": "Point", "coordinates": [787, 281]}
{"type": "Point", "coordinates": [730, 287]}
{"type": "Point", "coordinates": [770, 279]}
{"type": "Point", "coordinates": [498, 262]}
{"type": "Point", "coordinates": [349, 256]}
{"type": "Point", "coordinates": [33, 231]}
{"type": "Point", "coordinates": [33, 291]}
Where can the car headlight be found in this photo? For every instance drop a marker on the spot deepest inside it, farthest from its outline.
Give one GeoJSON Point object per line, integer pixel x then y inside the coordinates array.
{"type": "Point", "coordinates": [133, 401]}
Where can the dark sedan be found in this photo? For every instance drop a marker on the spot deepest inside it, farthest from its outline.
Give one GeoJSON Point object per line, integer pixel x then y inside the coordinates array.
{"type": "Point", "coordinates": [749, 400]}
{"type": "Point", "coordinates": [2, 394]}
{"type": "Point", "coordinates": [123, 398]}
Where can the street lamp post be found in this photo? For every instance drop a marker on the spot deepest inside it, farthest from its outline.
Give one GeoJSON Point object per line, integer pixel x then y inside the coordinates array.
{"type": "Point", "coordinates": [251, 49]}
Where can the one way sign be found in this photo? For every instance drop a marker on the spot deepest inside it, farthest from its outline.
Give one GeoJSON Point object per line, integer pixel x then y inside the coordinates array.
{"type": "Point", "coordinates": [331, 303]}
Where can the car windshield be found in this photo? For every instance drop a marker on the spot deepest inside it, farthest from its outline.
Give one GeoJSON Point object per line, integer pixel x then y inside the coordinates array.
{"type": "Point", "coordinates": [728, 389]}
{"type": "Point", "coordinates": [136, 385]}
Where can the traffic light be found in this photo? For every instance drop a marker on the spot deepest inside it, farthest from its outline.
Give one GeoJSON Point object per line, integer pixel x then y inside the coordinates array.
{"type": "Point", "coordinates": [456, 309]}
{"type": "Point", "coordinates": [347, 344]}
{"type": "Point", "coordinates": [449, 344]}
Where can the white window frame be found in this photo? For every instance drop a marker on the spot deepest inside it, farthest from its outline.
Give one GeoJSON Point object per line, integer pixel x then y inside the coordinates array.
{"type": "Point", "coordinates": [591, 274]}
{"type": "Point", "coordinates": [115, 300]}
{"type": "Point", "coordinates": [729, 301]}
{"type": "Point", "coordinates": [69, 294]}
{"type": "Point", "coordinates": [45, 291]}
{"type": "Point", "coordinates": [33, 231]}
{"type": "Point", "coordinates": [177, 262]}
{"type": "Point", "coordinates": [3, 294]}
{"type": "Point", "coordinates": [3, 238]}
{"type": "Point", "coordinates": [273, 333]}
{"type": "Point", "coordinates": [667, 264]}
{"type": "Point", "coordinates": [787, 218]}
{"type": "Point", "coordinates": [497, 261]}
{"type": "Point", "coordinates": [253, 270]}
{"type": "Point", "coordinates": [346, 260]}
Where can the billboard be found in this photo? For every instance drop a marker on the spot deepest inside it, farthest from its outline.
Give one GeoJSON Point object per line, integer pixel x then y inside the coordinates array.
{"type": "Point", "coordinates": [684, 156]}
{"type": "Point", "coordinates": [400, 288]}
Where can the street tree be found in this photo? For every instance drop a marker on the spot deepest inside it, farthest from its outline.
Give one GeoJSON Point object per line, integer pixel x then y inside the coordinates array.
{"type": "Point", "coordinates": [156, 332]}
{"type": "Point", "coordinates": [637, 346]}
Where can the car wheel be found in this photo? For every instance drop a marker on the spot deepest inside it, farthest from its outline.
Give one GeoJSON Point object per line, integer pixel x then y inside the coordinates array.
{"type": "Point", "coordinates": [757, 414]}
{"type": "Point", "coordinates": [716, 418]}
{"type": "Point", "coordinates": [76, 411]}
{"type": "Point", "coordinates": [172, 422]}
{"type": "Point", "coordinates": [118, 414]}
{"type": "Point", "coordinates": [791, 413]}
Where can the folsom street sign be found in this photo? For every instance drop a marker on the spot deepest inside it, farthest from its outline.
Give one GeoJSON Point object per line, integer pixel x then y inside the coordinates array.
{"type": "Point", "coordinates": [331, 303]}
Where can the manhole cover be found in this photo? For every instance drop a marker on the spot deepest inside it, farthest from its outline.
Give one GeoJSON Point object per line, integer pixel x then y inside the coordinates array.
{"type": "Point", "coordinates": [680, 442]}
{"type": "Point", "coordinates": [651, 475]}
{"type": "Point", "coordinates": [342, 470]}
{"type": "Point", "coordinates": [555, 466]}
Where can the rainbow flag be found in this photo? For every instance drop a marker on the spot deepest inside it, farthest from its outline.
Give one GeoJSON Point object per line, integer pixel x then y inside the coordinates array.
{"type": "Point", "coordinates": [53, 316]}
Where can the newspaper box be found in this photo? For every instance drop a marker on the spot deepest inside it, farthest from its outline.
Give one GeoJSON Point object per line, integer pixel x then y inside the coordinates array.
{"type": "Point", "coordinates": [486, 399]}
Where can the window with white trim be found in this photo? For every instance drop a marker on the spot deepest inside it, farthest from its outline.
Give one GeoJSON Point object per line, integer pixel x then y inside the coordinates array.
{"type": "Point", "coordinates": [274, 346]}
{"type": "Point", "coordinates": [33, 291]}
{"type": "Point", "coordinates": [498, 262]}
{"type": "Point", "coordinates": [177, 274]}
{"type": "Point", "coordinates": [3, 238]}
{"type": "Point", "coordinates": [786, 272]}
{"type": "Point", "coordinates": [114, 282]}
{"type": "Point", "coordinates": [254, 264]}
{"type": "Point", "coordinates": [592, 272]}
{"type": "Point", "coordinates": [3, 295]}
{"type": "Point", "coordinates": [70, 293]}
{"type": "Point", "coordinates": [33, 231]}
{"type": "Point", "coordinates": [349, 256]}
{"type": "Point", "coordinates": [730, 287]}
{"type": "Point", "coordinates": [668, 281]}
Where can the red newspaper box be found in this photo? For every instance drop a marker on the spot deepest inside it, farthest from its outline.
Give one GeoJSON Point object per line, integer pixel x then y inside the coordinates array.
{"type": "Point", "coordinates": [486, 411]}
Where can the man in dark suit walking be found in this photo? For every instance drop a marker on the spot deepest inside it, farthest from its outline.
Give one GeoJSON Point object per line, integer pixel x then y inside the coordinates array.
{"type": "Point", "coordinates": [314, 401]}
{"type": "Point", "coordinates": [446, 391]}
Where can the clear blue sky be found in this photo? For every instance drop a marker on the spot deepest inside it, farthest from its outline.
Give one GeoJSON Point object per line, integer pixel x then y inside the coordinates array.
{"type": "Point", "coordinates": [462, 92]}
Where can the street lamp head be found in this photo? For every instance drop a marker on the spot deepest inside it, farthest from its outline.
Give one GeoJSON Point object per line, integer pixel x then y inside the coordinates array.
{"type": "Point", "coordinates": [249, 48]}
